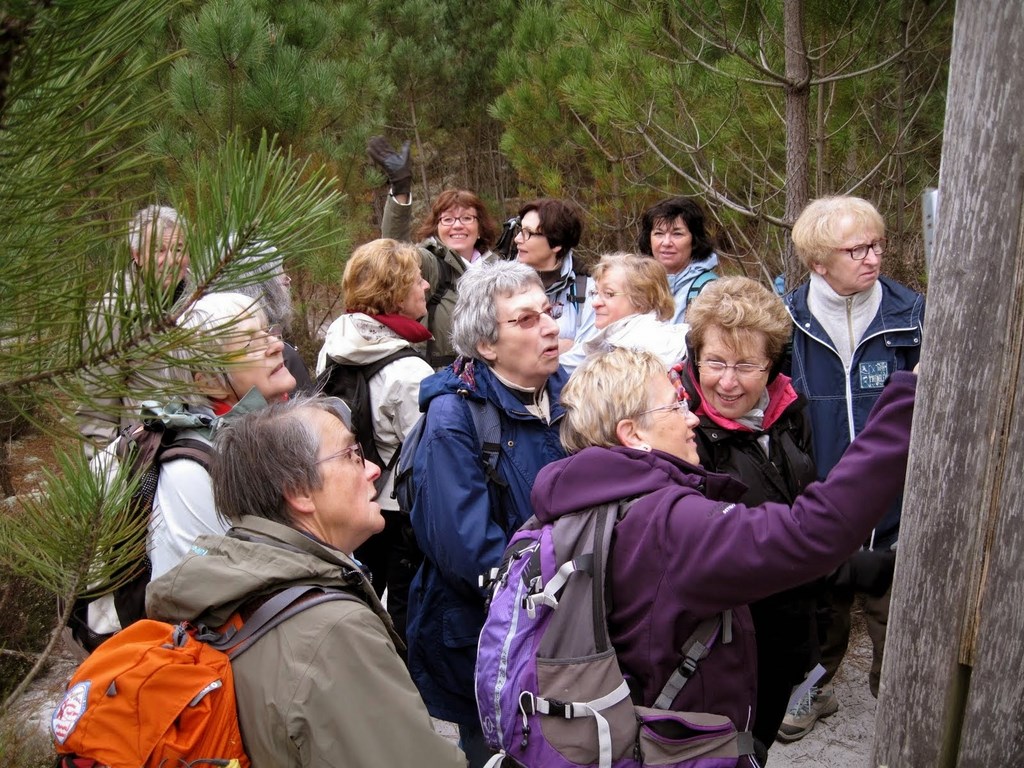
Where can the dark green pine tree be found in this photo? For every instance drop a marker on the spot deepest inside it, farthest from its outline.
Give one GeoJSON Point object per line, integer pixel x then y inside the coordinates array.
{"type": "Point", "coordinates": [74, 93]}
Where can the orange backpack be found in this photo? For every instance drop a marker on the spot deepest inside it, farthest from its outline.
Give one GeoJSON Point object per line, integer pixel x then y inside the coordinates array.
{"type": "Point", "coordinates": [158, 695]}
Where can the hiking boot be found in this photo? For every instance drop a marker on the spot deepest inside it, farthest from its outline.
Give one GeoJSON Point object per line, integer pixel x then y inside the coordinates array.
{"type": "Point", "coordinates": [817, 704]}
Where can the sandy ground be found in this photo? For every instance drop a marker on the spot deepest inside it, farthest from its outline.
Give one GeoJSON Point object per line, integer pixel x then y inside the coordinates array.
{"type": "Point", "coordinates": [843, 740]}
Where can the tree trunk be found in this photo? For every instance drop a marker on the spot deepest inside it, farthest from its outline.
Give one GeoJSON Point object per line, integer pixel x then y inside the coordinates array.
{"type": "Point", "coordinates": [952, 690]}
{"type": "Point", "coordinates": [798, 92]}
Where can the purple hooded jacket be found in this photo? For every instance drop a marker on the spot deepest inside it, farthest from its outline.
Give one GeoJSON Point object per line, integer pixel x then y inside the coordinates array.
{"type": "Point", "coordinates": [684, 552]}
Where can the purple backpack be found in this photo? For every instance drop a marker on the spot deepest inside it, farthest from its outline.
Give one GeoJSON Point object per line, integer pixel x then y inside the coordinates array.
{"type": "Point", "coordinates": [548, 684]}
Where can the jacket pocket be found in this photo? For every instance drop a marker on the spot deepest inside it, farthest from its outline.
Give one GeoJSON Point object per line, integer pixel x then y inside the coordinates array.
{"type": "Point", "coordinates": [461, 627]}
{"type": "Point", "coordinates": [668, 738]}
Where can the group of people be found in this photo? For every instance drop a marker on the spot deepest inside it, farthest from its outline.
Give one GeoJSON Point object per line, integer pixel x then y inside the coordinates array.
{"type": "Point", "coordinates": [716, 404]}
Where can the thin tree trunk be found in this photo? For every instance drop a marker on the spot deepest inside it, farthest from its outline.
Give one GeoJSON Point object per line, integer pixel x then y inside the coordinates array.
{"type": "Point", "coordinates": [797, 133]}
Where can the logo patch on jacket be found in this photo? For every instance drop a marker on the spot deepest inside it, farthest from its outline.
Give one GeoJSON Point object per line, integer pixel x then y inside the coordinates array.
{"type": "Point", "coordinates": [874, 374]}
{"type": "Point", "coordinates": [70, 711]}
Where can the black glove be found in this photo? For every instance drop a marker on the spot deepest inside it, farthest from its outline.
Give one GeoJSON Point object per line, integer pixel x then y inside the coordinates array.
{"type": "Point", "coordinates": [396, 165]}
{"type": "Point", "coordinates": [868, 571]}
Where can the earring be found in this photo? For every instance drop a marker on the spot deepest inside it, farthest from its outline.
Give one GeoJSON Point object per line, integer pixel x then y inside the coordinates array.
{"type": "Point", "coordinates": [644, 447]}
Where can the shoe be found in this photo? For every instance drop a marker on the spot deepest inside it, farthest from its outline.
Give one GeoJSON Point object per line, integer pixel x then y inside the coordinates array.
{"type": "Point", "coordinates": [817, 704]}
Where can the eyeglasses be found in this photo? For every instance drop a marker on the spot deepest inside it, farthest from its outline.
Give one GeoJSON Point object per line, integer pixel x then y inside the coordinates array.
{"type": "Point", "coordinates": [449, 221]}
{"type": "Point", "coordinates": [528, 233]}
{"type": "Point", "coordinates": [593, 293]}
{"type": "Point", "coordinates": [678, 405]}
{"type": "Point", "coordinates": [742, 370]}
{"type": "Point", "coordinates": [260, 340]}
{"type": "Point", "coordinates": [860, 252]}
{"type": "Point", "coordinates": [354, 452]}
{"type": "Point", "coordinates": [530, 318]}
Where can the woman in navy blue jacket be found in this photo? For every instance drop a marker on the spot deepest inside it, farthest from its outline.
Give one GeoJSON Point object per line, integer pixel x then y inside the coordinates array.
{"type": "Point", "coordinates": [507, 343]}
{"type": "Point", "coordinates": [853, 330]}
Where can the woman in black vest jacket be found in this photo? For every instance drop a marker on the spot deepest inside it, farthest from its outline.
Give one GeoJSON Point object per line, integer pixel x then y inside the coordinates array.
{"type": "Point", "coordinates": [754, 427]}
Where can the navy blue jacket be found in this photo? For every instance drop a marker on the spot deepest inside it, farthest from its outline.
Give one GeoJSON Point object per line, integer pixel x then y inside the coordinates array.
{"type": "Point", "coordinates": [456, 530]}
{"type": "Point", "coordinates": [838, 400]}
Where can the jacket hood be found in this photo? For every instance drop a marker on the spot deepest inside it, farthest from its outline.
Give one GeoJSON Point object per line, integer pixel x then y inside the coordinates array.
{"type": "Point", "coordinates": [357, 339]}
{"type": "Point", "coordinates": [471, 378]}
{"type": "Point", "coordinates": [256, 557]}
{"type": "Point", "coordinates": [600, 475]}
{"type": "Point", "coordinates": [694, 268]}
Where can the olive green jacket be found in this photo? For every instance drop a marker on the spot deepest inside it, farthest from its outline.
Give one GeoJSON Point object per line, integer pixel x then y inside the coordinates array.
{"type": "Point", "coordinates": [324, 688]}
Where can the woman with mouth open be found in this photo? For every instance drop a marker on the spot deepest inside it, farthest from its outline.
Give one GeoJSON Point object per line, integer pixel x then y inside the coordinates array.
{"type": "Point", "coordinates": [463, 512]}
{"type": "Point", "coordinates": [235, 361]}
{"type": "Point", "coordinates": [632, 308]}
{"type": "Point", "coordinates": [754, 427]}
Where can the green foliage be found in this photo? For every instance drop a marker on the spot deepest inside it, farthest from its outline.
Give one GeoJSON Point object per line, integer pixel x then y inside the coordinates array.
{"type": "Point", "coordinates": [76, 96]}
{"type": "Point", "coordinates": [620, 105]}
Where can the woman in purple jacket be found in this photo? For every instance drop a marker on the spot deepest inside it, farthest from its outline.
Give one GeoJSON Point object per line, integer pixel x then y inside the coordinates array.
{"type": "Point", "coordinates": [685, 550]}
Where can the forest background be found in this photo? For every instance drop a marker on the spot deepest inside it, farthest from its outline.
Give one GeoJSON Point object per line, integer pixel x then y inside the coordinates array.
{"type": "Point", "coordinates": [252, 117]}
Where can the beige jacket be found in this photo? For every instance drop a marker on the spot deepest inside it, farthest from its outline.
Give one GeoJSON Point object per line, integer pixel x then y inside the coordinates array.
{"type": "Point", "coordinates": [324, 688]}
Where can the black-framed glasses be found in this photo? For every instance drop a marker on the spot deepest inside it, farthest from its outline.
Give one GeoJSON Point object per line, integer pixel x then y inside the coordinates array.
{"type": "Point", "coordinates": [742, 370]}
{"type": "Point", "coordinates": [354, 450]}
{"type": "Point", "coordinates": [678, 405]}
{"type": "Point", "coordinates": [860, 252]}
{"type": "Point", "coordinates": [527, 233]}
{"type": "Point", "coordinates": [530, 318]}
{"type": "Point", "coordinates": [465, 220]}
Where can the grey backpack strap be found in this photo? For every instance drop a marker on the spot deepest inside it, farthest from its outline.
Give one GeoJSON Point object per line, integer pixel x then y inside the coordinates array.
{"type": "Point", "coordinates": [695, 648]}
{"type": "Point", "coordinates": [274, 611]}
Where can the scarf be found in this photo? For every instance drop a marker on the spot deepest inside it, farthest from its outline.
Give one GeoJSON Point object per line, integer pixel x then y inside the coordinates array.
{"type": "Point", "coordinates": [411, 330]}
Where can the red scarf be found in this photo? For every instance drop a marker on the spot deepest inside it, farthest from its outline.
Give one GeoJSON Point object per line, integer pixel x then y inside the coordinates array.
{"type": "Point", "coordinates": [410, 330]}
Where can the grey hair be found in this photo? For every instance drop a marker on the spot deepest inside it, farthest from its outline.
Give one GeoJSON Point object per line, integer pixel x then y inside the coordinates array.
{"type": "Point", "coordinates": [475, 318]}
{"type": "Point", "coordinates": [260, 277]}
{"type": "Point", "coordinates": [151, 220]}
{"type": "Point", "coordinates": [208, 319]}
{"type": "Point", "coordinates": [264, 455]}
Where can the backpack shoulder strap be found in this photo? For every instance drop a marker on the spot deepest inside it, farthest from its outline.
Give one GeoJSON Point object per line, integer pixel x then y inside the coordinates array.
{"type": "Point", "coordinates": [372, 369]}
{"type": "Point", "coordinates": [487, 423]}
{"type": "Point", "coordinates": [273, 612]}
{"type": "Point", "coordinates": [188, 448]}
{"type": "Point", "coordinates": [578, 296]}
{"type": "Point", "coordinates": [445, 281]}
{"type": "Point", "coordinates": [695, 647]}
{"type": "Point", "coordinates": [702, 279]}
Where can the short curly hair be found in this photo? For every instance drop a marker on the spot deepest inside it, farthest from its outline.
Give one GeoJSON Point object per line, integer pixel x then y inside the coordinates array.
{"type": "Point", "coordinates": [379, 275]}
{"type": "Point", "coordinates": [603, 391]}
{"type": "Point", "coordinates": [739, 308]}
{"type": "Point", "coordinates": [815, 231]}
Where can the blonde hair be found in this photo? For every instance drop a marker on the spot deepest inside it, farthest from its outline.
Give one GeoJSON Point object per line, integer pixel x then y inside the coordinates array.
{"type": "Point", "coordinates": [744, 311]}
{"type": "Point", "coordinates": [646, 282]}
{"type": "Point", "coordinates": [379, 275]}
{"type": "Point", "coordinates": [815, 232]}
{"type": "Point", "coordinates": [605, 389]}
